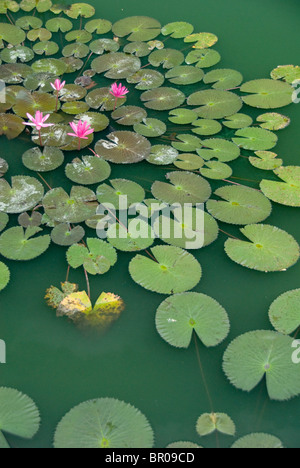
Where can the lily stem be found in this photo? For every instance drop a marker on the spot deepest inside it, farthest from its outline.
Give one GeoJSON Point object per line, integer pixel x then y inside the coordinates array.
{"type": "Point", "coordinates": [87, 283]}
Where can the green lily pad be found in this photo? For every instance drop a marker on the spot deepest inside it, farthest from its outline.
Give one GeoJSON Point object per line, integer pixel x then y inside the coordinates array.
{"type": "Point", "coordinates": [64, 235]}
{"type": "Point", "coordinates": [79, 206]}
{"type": "Point", "coordinates": [97, 258]}
{"type": "Point", "coordinates": [76, 50]}
{"type": "Point", "coordinates": [179, 316]}
{"type": "Point", "coordinates": [14, 73]}
{"type": "Point", "coordinates": [206, 127]}
{"type": "Point", "coordinates": [204, 58]}
{"type": "Point", "coordinates": [90, 170]}
{"type": "Point", "coordinates": [267, 94]}
{"type": "Point", "coordinates": [56, 136]}
{"type": "Point", "coordinates": [123, 148]}
{"type": "Point", "coordinates": [223, 78]}
{"type": "Point", "coordinates": [266, 160]}
{"type": "Point", "coordinates": [72, 92]}
{"type": "Point", "coordinates": [184, 187]}
{"type": "Point", "coordinates": [41, 5]}
{"type": "Point", "coordinates": [146, 79]}
{"type": "Point", "coordinates": [11, 34]}
{"type": "Point", "coordinates": [237, 121]}
{"type": "Point", "coordinates": [29, 22]}
{"type": "Point", "coordinates": [258, 441]}
{"type": "Point", "coordinates": [19, 415]}
{"type": "Point", "coordinates": [31, 102]}
{"type": "Point", "coordinates": [75, 107]}
{"type": "Point", "coordinates": [98, 26]}
{"type": "Point", "coordinates": [216, 170]}
{"type": "Point", "coordinates": [48, 160]}
{"type": "Point", "coordinates": [185, 75]}
{"type": "Point", "coordinates": [166, 275]}
{"type": "Point", "coordinates": [72, 64]}
{"type": "Point", "coordinates": [178, 29]}
{"type": "Point", "coordinates": [209, 423]}
{"type": "Point", "coordinates": [273, 121]}
{"type": "Point", "coordinates": [215, 104]}
{"type": "Point", "coordinates": [104, 45]}
{"type": "Point", "coordinates": [162, 155]}
{"type": "Point", "coordinates": [23, 54]}
{"type": "Point", "coordinates": [40, 81]}
{"type": "Point", "coordinates": [223, 150]}
{"type": "Point", "coordinates": [4, 218]}
{"type": "Point", "coordinates": [4, 276]}
{"type": "Point", "coordinates": [34, 219]}
{"type": "Point", "coordinates": [3, 167]}
{"type": "Point", "coordinates": [167, 58]}
{"type": "Point", "coordinates": [19, 244]}
{"type": "Point", "coordinates": [9, 5]}
{"type": "Point", "coordinates": [182, 445]}
{"type": "Point", "coordinates": [255, 139]}
{"type": "Point", "coordinates": [23, 194]}
{"type": "Point", "coordinates": [46, 48]}
{"type": "Point", "coordinates": [120, 187]}
{"type": "Point", "coordinates": [79, 36]}
{"type": "Point", "coordinates": [41, 34]}
{"type": "Point", "coordinates": [258, 354]}
{"type": "Point", "coordinates": [96, 120]}
{"type": "Point", "coordinates": [11, 126]}
{"type": "Point", "coordinates": [240, 205]}
{"type": "Point", "coordinates": [131, 240]}
{"type": "Point", "coordinates": [111, 424]}
{"type": "Point", "coordinates": [286, 192]}
{"type": "Point", "coordinates": [137, 28]}
{"type": "Point", "coordinates": [129, 115]}
{"type": "Point", "coordinates": [182, 116]}
{"type": "Point", "coordinates": [269, 249]}
{"type": "Point", "coordinates": [80, 9]}
{"type": "Point", "coordinates": [187, 143]}
{"type": "Point", "coordinates": [54, 66]}
{"type": "Point", "coordinates": [189, 162]}
{"type": "Point", "coordinates": [163, 98]}
{"type": "Point", "coordinates": [284, 312]}
{"type": "Point", "coordinates": [140, 49]}
{"type": "Point", "coordinates": [116, 65]}
{"type": "Point", "coordinates": [288, 73]}
{"type": "Point", "coordinates": [59, 24]}
{"type": "Point", "coordinates": [103, 100]}
{"type": "Point", "coordinates": [150, 128]}
{"type": "Point", "coordinates": [202, 40]}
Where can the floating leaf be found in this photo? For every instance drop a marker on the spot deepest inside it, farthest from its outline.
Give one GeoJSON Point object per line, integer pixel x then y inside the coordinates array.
{"type": "Point", "coordinates": [146, 79]}
{"type": "Point", "coordinates": [182, 445]}
{"type": "Point", "coordinates": [137, 28]}
{"type": "Point", "coordinates": [185, 187]}
{"type": "Point", "coordinates": [76, 50]}
{"type": "Point", "coordinates": [163, 98]}
{"type": "Point", "coordinates": [223, 78]}
{"type": "Point", "coordinates": [203, 58]}
{"type": "Point", "coordinates": [64, 235]}
{"type": "Point", "coordinates": [48, 160]}
{"type": "Point", "coordinates": [273, 121]}
{"type": "Point", "coordinates": [237, 121]}
{"type": "Point", "coordinates": [4, 280]}
{"type": "Point", "coordinates": [41, 5]}
{"type": "Point", "coordinates": [19, 244]}
{"type": "Point", "coordinates": [162, 155]}
{"type": "Point", "coordinates": [215, 104]}
{"type": "Point", "coordinates": [104, 45]}
{"type": "Point", "coordinates": [120, 187]}
{"type": "Point", "coordinates": [117, 65]}
{"type": "Point", "coordinates": [267, 94]}
{"type": "Point", "coordinates": [123, 148]}
{"type": "Point", "coordinates": [189, 162]}
{"type": "Point", "coordinates": [11, 34]}
{"type": "Point", "coordinates": [203, 40]}
{"type": "Point", "coordinates": [288, 73]}
{"type": "Point", "coordinates": [56, 136]}
{"type": "Point", "coordinates": [79, 206]}
{"type": "Point", "coordinates": [10, 5]}
{"type": "Point", "coordinates": [41, 81]}
{"type": "Point", "coordinates": [72, 64]}
{"type": "Point", "coordinates": [29, 103]}
{"type": "Point", "coordinates": [269, 249]}
{"type": "Point", "coordinates": [187, 143]}
{"type": "Point", "coordinates": [40, 34]}
{"type": "Point", "coordinates": [59, 24]}
{"type": "Point", "coordinates": [80, 9]}
{"type": "Point", "coordinates": [185, 75]}
{"type": "Point", "coordinates": [216, 170]}
{"type": "Point", "coordinates": [14, 73]}
{"type": "Point", "coordinates": [166, 275]}
{"type": "Point", "coordinates": [223, 150]}
{"type": "Point", "coordinates": [177, 30]}
{"type": "Point", "coordinates": [113, 422]}
{"type": "Point", "coordinates": [96, 258]}
{"type": "Point", "coordinates": [46, 47]}
{"type": "Point", "coordinates": [96, 120]}
{"type": "Point", "coordinates": [75, 107]}
{"type": "Point", "coordinates": [3, 167]}
{"type": "Point", "coordinates": [209, 423]}
{"type": "Point", "coordinates": [29, 22]}
{"type": "Point", "coordinates": [179, 316]}
{"type": "Point", "coordinates": [206, 127]}
{"type": "Point", "coordinates": [284, 312]}
{"type": "Point", "coordinates": [98, 26]}
{"type": "Point", "coordinates": [24, 54]}
{"type": "Point", "coordinates": [89, 170]}
{"type": "Point", "coordinates": [258, 354]}
{"type": "Point", "coordinates": [182, 116]}
{"type": "Point", "coordinates": [54, 66]}
{"type": "Point", "coordinates": [258, 441]}
{"type": "Point", "coordinates": [150, 128]}
{"type": "Point", "coordinates": [140, 49]}
{"type": "Point", "coordinates": [138, 236]}
{"type": "Point", "coordinates": [129, 115]}
{"type": "Point", "coordinates": [103, 100]}
{"type": "Point", "coordinates": [255, 139]}
{"type": "Point", "coordinates": [266, 160]}
{"type": "Point", "coordinates": [35, 219]}
{"type": "Point", "coordinates": [72, 92]}
{"type": "Point", "coordinates": [79, 36]}
{"type": "Point", "coordinates": [167, 58]}
{"type": "Point", "coordinates": [241, 205]}
{"type": "Point", "coordinates": [4, 218]}
{"type": "Point", "coordinates": [11, 126]}
{"type": "Point", "coordinates": [23, 194]}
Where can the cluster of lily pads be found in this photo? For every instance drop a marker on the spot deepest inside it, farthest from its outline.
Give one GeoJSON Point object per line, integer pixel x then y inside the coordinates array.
{"type": "Point", "coordinates": [192, 121]}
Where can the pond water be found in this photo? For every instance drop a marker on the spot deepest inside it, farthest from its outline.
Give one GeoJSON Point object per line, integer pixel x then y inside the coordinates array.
{"type": "Point", "coordinates": [59, 366]}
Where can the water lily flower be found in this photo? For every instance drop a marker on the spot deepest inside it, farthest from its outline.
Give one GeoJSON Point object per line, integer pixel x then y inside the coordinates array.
{"type": "Point", "coordinates": [81, 131]}
{"type": "Point", "coordinates": [58, 85]}
{"type": "Point", "coordinates": [38, 121]}
{"type": "Point", "coordinates": [118, 91]}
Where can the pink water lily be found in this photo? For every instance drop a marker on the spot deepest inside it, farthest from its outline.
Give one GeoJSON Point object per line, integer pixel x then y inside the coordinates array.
{"type": "Point", "coordinates": [118, 91]}
{"type": "Point", "coordinates": [81, 131]}
{"type": "Point", "coordinates": [38, 121]}
{"type": "Point", "coordinates": [58, 85]}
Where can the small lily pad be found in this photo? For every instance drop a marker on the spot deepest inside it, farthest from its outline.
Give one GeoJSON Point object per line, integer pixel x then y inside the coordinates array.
{"type": "Point", "coordinates": [79, 206]}
{"type": "Point", "coordinates": [96, 258]}
{"type": "Point", "coordinates": [284, 312]}
{"type": "Point", "coordinates": [255, 139]}
{"type": "Point", "coordinates": [19, 244]}
{"type": "Point", "coordinates": [182, 116]}
{"type": "Point", "coordinates": [80, 9]}
{"type": "Point", "coordinates": [46, 48]}
{"type": "Point", "coordinates": [166, 58]}
{"type": "Point", "coordinates": [223, 78]}
{"type": "Point", "coordinates": [129, 115]}
{"type": "Point", "coordinates": [123, 148]}
{"type": "Point", "coordinates": [11, 126]}
{"type": "Point", "coordinates": [138, 236]}
{"type": "Point", "coordinates": [48, 160]}
{"type": "Point", "coordinates": [104, 45]}
{"type": "Point", "coordinates": [223, 150]}
{"type": "Point", "coordinates": [79, 36]}
{"type": "Point", "coordinates": [98, 26]}
{"type": "Point", "coordinates": [96, 120]}
{"type": "Point", "coordinates": [103, 100]}
{"type": "Point", "coordinates": [187, 143]}
{"type": "Point", "coordinates": [90, 170]}
{"type": "Point", "coordinates": [184, 187]}
{"type": "Point", "coordinates": [140, 49]}
{"type": "Point", "coordinates": [59, 24]}
{"type": "Point", "coordinates": [204, 58]}
{"type": "Point", "coordinates": [72, 92]}
{"type": "Point", "coordinates": [11, 34]}
{"type": "Point", "coordinates": [185, 75]}
{"type": "Point", "coordinates": [202, 40]}
{"type": "Point", "coordinates": [41, 5]}
{"type": "Point", "coordinates": [4, 276]}
{"type": "Point", "coordinates": [288, 73]}
{"type": "Point", "coordinates": [162, 155]}
{"type": "Point", "coordinates": [286, 192]}
{"type": "Point", "coordinates": [273, 121]}
{"type": "Point", "coordinates": [178, 29]}
{"type": "Point", "coordinates": [41, 34]}
{"type": "Point", "coordinates": [120, 187]}
{"type": "Point", "coordinates": [206, 127]}
{"type": "Point", "coordinates": [3, 167]}
{"type": "Point", "coordinates": [146, 79]}
{"type": "Point", "coordinates": [209, 423]}
{"type": "Point", "coordinates": [29, 22]}
{"type": "Point", "coordinates": [64, 235]}
{"type": "Point", "coordinates": [34, 219]}
{"type": "Point", "coordinates": [266, 160]}
{"type": "Point", "coordinates": [163, 98]}
{"type": "Point", "coordinates": [216, 170]}
{"type": "Point", "coordinates": [150, 128]}
{"type": "Point", "coordinates": [23, 194]}
{"type": "Point", "coordinates": [258, 441]}
{"type": "Point", "coordinates": [189, 162]}
{"type": "Point", "coordinates": [137, 28]}
{"type": "Point", "coordinates": [76, 50]}
{"type": "Point", "coordinates": [215, 104]}
{"type": "Point", "coordinates": [237, 121]}
{"type": "Point", "coordinates": [75, 107]}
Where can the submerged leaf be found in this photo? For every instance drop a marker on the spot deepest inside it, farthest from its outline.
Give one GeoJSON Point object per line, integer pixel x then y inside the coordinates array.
{"type": "Point", "coordinates": [209, 423]}
{"type": "Point", "coordinates": [137, 28]}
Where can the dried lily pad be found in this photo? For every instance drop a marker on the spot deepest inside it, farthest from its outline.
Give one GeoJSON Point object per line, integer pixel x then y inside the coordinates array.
{"type": "Point", "coordinates": [98, 26]}
{"type": "Point", "coordinates": [54, 66]}
{"type": "Point", "coordinates": [184, 187]}
{"type": "Point", "coordinates": [288, 73]}
{"type": "Point", "coordinates": [237, 121]}
{"type": "Point", "coordinates": [185, 75]}
{"type": "Point", "coordinates": [23, 54]}
{"type": "Point", "coordinates": [19, 244]}
{"type": "Point", "coordinates": [167, 58]}
{"type": "Point", "coordinates": [223, 150]}
{"type": "Point", "coordinates": [255, 139]}
{"type": "Point", "coordinates": [255, 355]}
{"type": "Point", "coordinates": [202, 40]}
{"type": "Point", "coordinates": [182, 116]}
{"type": "Point", "coordinates": [103, 100]}
{"type": "Point", "coordinates": [273, 121]}
{"type": "Point", "coordinates": [189, 162]}
{"type": "Point", "coordinates": [166, 274]}
{"type": "Point", "coordinates": [3, 167]}
{"type": "Point", "coordinates": [146, 79]}
{"type": "Point", "coordinates": [116, 65]}
{"type": "Point", "coordinates": [178, 29]}
{"type": "Point", "coordinates": [48, 160]}
{"type": "Point", "coordinates": [35, 219]}
{"type": "Point", "coordinates": [240, 205]}
{"type": "Point", "coordinates": [11, 34]}
{"type": "Point", "coordinates": [79, 206]}
{"type": "Point", "coordinates": [150, 128]}
{"type": "Point", "coordinates": [129, 115]}
{"type": "Point", "coordinates": [120, 187]}
{"type": "Point", "coordinates": [89, 170]}
{"type": "Point", "coordinates": [187, 143]}
{"type": "Point", "coordinates": [223, 78]}
{"type": "Point", "coordinates": [284, 312]}
{"type": "Point", "coordinates": [162, 155]}
{"type": "Point", "coordinates": [137, 28]}
{"type": "Point", "coordinates": [267, 94]}
{"type": "Point", "coordinates": [97, 258]}
{"type": "Point", "coordinates": [64, 235]}
{"type": "Point", "coordinates": [215, 104]}
{"type": "Point", "coordinates": [216, 170]}
{"type": "Point", "coordinates": [59, 24]}
{"type": "Point", "coordinates": [179, 316]}
{"type": "Point", "coordinates": [123, 148]}
{"type": "Point", "coordinates": [258, 441]}
{"type": "Point", "coordinates": [204, 58]}
{"type": "Point", "coordinates": [11, 126]}
{"type": "Point", "coordinates": [206, 127]}
{"type": "Point", "coordinates": [163, 98]}
{"type": "Point", "coordinates": [104, 45]}
{"type": "Point", "coordinates": [23, 194]}
{"type": "Point", "coordinates": [266, 160]}
{"type": "Point", "coordinates": [209, 423]}
{"type": "Point", "coordinates": [286, 192]}
{"type": "Point", "coordinates": [269, 249]}
{"type": "Point", "coordinates": [14, 73]}
{"type": "Point", "coordinates": [96, 120]}
{"type": "Point", "coordinates": [4, 276]}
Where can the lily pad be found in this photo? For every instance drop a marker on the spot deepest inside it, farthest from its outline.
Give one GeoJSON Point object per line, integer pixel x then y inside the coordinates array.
{"type": "Point", "coordinates": [166, 274]}
{"type": "Point", "coordinates": [187, 143]}
{"type": "Point", "coordinates": [206, 127]}
{"type": "Point", "coordinates": [29, 103]}
{"type": "Point", "coordinates": [98, 26]}
{"type": "Point", "coordinates": [223, 78]}
{"type": "Point", "coordinates": [54, 66]}
{"type": "Point", "coordinates": [216, 170]}
{"type": "Point", "coordinates": [41, 5]}
{"type": "Point", "coordinates": [129, 115]}
{"type": "Point", "coordinates": [104, 45]}
{"type": "Point", "coordinates": [64, 235]}
{"type": "Point", "coordinates": [179, 316]}
{"type": "Point", "coordinates": [11, 34]}
{"type": "Point", "coordinates": [138, 236]}
{"type": "Point", "coordinates": [140, 49]}
{"type": "Point", "coordinates": [209, 423]}
{"type": "Point", "coordinates": [288, 73]}
{"type": "Point", "coordinates": [59, 24]}
{"type": "Point", "coordinates": [23, 194]}
{"type": "Point", "coordinates": [137, 28]}
{"type": "Point", "coordinates": [162, 155]}
{"type": "Point", "coordinates": [41, 34]}
{"type": "Point", "coordinates": [182, 116]}
{"type": "Point", "coordinates": [284, 312]}
{"type": "Point", "coordinates": [96, 258]}
{"type": "Point", "coordinates": [269, 249]}
{"type": "Point", "coordinates": [80, 9]}
{"type": "Point", "coordinates": [258, 441]}
{"type": "Point", "coordinates": [4, 277]}
{"type": "Point", "coordinates": [178, 29]}
{"type": "Point", "coordinates": [255, 139]}
{"type": "Point", "coordinates": [76, 50]}
{"type": "Point", "coordinates": [163, 98]}
{"type": "Point", "coordinates": [19, 244]}
{"type": "Point", "coordinates": [120, 187]}
{"type": "Point", "coordinates": [114, 424]}
{"type": "Point", "coordinates": [266, 160]}
{"type": "Point", "coordinates": [72, 92]}
{"type": "Point", "coordinates": [72, 64]}
{"type": "Point", "coordinates": [273, 121]}
{"type": "Point", "coordinates": [166, 58]}
{"type": "Point", "coordinates": [4, 218]}
{"type": "Point", "coordinates": [79, 206]}
{"type": "Point", "coordinates": [46, 48]}
{"type": "Point", "coordinates": [56, 136]}
{"type": "Point", "coordinates": [23, 54]}
{"type": "Point", "coordinates": [11, 126]}
{"type": "Point", "coordinates": [286, 192]}
{"type": "Point", "coordinates": [223, 150]}
{"type": "Point", "coordinates": [185, 75]}
{"type": "Point", "coordinates": [123, 148]}
{"type": "Point", "coordinates": [103, 100]}
{"type": "Point", "coordinates": [189, 162]}
{"type": "Point", "coordinates": [150, 128]}
{"type": "Point", "coordinates": [202, 40]}
{"type": "Point", "coordinates": [90, 170]}
{"type": "Point", "coordinates": [3, 167]}
{"type": "Point", "coordinates": [146, 79]}
{"type": "Point", "coordinates": [267, 94]}
{"type": "Point", "coordinates": [204, 58]}
{"type": "Point", "coordinates": [29, 22]}
{"type": "Point", "coordinates": [79, 36]}
{"type": "Point", "coordinates": [75, 107]}
{"type": "Point", "coordinates": [237, 121]}
{"type": "Point", "coordinates": [255, 355]}
{"type": "Point", "coordinates": [34, 219]}
{"type": "Point", "coordinates": [9, 5]}
{"type": "Point", "coordinates": [182, 445]}
{"type": "Point", "coordinates": [116, 65]}
{"type": "Point", "coordinates": [48, 160]}
{"type": "Point", "coordinates": [215, 104]}
{"type": "Point", "coordinates": [96, 120]}
{"type": "Point", "coordinates": [14, 73]}
{"type": "Point", "coordinates": [40, 81]}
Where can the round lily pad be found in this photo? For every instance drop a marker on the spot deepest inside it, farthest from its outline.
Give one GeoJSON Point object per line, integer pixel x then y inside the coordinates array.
{"type": "Point", "coordinates": [98, 26]}
{"type": "Point", "coordinates": [182, 116]}
{"type": "Point", "coordinates": [111, 424]}
{"type": "Point", "coordinates": [269, 249]}
{"type": "Point", "coordinates": [75, 107]}
{"type": "Point", "coordinates": [79, 206]}
{"type": "Point", "coordinates": [123, 148]}
{"type": "Point", "coordinates": [166, 58]}
{"type": "Point", "coordinates": [41, 34]}
{"type": "Point", "coordinates": [4, 276]}
{"type": "Point", "coordinates": [120, 187]}
{"type": "Point", "coordinates": [184, 187]}
{"type": "Point", "coordinates": [284, 312]}
{"type": "Point", "coordinates": [72, 92]}
{"type": "Point", "coordinates": [266, 160]}
{"type": "Point", "coordinates": [11, 34]}
{"type": "Point", "coordinates": [223, 78]}
{"type": "Point", "coordinates": [104, 45]}
{"type": "Point", "coordinates": [137, 28]}
{"type": "Point", "coordinates": [54, 66]}
{"type": "Point", "coordinates": [255, 139]}
{"type": "Point", "coordinates": [237, 121]}
{"type": "Point", "coordinates": [29, 22]}
{"type": "Point", "coordinates": [4, 218]}
{"type": "Point", "coordinates": [223, 150]}
{"type": "Point", "coordinates": [288, 73]}
{"type": "Point", "coordinates": [286, 192]}
{"type": "Point", "coordinates": [162, 155]}
{"type": "Point", "coordinates": [179, 316]}
{"type": "Point", "coordinates": [216, 170]}
{"type": "Point", "coordinates": [3, 167]}
{"type": "Point", "coordinates": [116, 65]}
{"type": "Point", "coordinates": [209, 423]}
{"type": "Point", "coordinates": [64, 235]}
{"type": "Point", "coordinates": [40, 81]}
{"type": "Point", "coordinates": [103, 100]}
{"type": "Point", "coordinates": [163, 98]}
{"type": "Point", "coordinates": [129, 115]}
{"type": "Point", "coordinates": [166, 274]}
{"type": "Point", "coordinates": [80, 9]}
{"type": "Point", "coordinates": [185, 75]}
{"type": "Point", "coordinates": [140, 49]}
{"type": "Point", "coordinates": [189, 162]}
{"type": "Point", "coordinates": [23, 194]}
{"type": "Point", "coordinates": [146, 79]}
{"type": "Point", "coordinates": [46, 48]}
{"type": "Point", "coordinates": [240, 205]}
{"type": "Point", "coordinates": [204, 58]}
{"type": "Point", "coordinates": [273, 121]}
{"type": "Point", "coordinates": [258, 441]}
{"type": "Point", "coordinates": [14, 73]}
{"type": "Point", "coordinates": [96, 120]}
{"type": "Point", "coordinates": [34, 219]}
{"type": "Point", "coordinates": [150, 128]}
{"type": "Point", "coordinates": [187, 143]}
{"type": "Point", "coordinates": [258, 354]}
{"type": "Point", "coordinates": [59, 24]}
{"type": "Point", "coordinates": [267, 94]}
{"type": "Point", "coordinates": [206, 127]}
{"type": "Point", "coordinates": [202, 40]}
{"type": "Point", "coordinates": [76, 50]}
{"type": "Point", "coordinates": [28, 103]}
{"type": "Point", "coordinates": [19, 244]}
{"type": "Point", "coordinates": [48, 160]}
{"type": "Point", "coordinates": [215, 104]}
{"type": "Point", "coordinates": [21, 53]}
{"type": "Point", "coordinates": [11, 126]}
{"type": "Point", "coordinates": [79, 36]}
{"type": "Point", "coordinates": [89, 170]}
{"type": "Point", "coordinates": [41, 5]}
{"type": "Point", "coordinates": [178, 29]}
{"type": "Point", "coordinates": [138, 236]}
